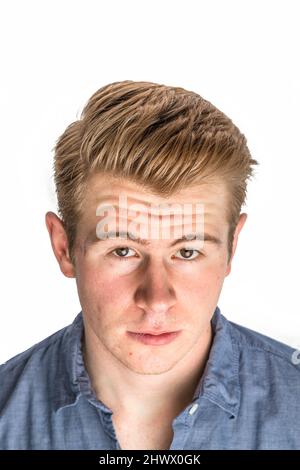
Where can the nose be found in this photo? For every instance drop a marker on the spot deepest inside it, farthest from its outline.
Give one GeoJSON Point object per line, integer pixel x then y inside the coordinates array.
{"type": "Point", "coordinates": [155, 293]}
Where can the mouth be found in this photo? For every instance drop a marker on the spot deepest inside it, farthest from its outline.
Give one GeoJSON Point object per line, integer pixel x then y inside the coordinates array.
{"type": "Point", "coordinates": [154, 339]}
{"type": "Point", "coordinates": [153, 333]}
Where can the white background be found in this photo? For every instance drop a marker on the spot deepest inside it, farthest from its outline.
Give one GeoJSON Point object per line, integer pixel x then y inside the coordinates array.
{"type": "Point", "coordinates": [243, 56]}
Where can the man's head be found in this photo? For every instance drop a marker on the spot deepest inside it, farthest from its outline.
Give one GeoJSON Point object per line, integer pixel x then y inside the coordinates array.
{"type": "Point", "coordinates": [151, 144]}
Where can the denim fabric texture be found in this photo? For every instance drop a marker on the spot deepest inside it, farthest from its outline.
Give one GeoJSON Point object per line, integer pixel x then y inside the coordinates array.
{"type": "Point", "coordinates": [247, 398]}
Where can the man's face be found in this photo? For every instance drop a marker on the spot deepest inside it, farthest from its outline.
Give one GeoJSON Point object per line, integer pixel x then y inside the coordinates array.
{"type": "Point", "coordinates": [125, 286]}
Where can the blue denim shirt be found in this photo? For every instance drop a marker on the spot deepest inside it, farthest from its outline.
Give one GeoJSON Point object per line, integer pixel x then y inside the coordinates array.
{"type": "Point", "coordinates": [247, 397]}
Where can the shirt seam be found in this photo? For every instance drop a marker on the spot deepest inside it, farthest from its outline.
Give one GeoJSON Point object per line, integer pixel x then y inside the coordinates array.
{"type": "Point", "coordinates": [258, 348]}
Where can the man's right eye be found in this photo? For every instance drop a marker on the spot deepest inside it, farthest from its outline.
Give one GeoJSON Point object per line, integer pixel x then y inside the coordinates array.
{"type": "Point", "coordinates": [120, 252]}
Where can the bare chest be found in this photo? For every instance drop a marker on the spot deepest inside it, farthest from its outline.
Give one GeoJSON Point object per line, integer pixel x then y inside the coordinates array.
{"type": "Point", "coordinates": [136, 435]}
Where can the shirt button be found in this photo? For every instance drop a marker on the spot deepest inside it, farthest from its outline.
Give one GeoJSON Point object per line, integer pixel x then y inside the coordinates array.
{"type": "Point", "coordinates": [193, 408]}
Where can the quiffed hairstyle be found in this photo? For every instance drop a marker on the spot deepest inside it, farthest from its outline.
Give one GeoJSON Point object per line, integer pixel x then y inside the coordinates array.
{"type": "Point", "coordinates": [163, 138]}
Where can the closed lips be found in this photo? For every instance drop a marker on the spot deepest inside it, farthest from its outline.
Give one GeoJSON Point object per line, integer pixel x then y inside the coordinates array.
{"type": "Point", "coordinates": [153, 334]}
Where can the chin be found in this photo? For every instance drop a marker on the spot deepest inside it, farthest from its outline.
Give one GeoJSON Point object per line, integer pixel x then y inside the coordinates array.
{"type": "Point", "coordinates": [151, 371]}
{"type": "Point", "coordinates": [150, 368]}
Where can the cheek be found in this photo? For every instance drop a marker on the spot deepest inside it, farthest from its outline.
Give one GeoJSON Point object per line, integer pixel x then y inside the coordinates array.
{"type": "Point", "coordinates": [206, 284]}
{"type": "Point", "coordinates": [98, 286]}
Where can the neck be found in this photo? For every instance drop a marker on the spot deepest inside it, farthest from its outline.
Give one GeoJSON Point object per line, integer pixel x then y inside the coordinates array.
{"type": "Point", "coordinates": [123, 390]}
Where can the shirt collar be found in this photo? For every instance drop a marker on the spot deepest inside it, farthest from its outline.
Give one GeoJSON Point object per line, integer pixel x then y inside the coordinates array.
{"type": "Point", "coordinates": [66, 388]}
{"type": "Point", "coordinates": [219, 382]}
{"type": "Point", "coordinates": [220, 379]}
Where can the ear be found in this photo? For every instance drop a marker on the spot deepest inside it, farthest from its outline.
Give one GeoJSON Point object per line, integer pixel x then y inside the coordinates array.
{"type": "Point", "coordinates": [240, 225]}
{"type": "Point", "coordinates": [59, 242]}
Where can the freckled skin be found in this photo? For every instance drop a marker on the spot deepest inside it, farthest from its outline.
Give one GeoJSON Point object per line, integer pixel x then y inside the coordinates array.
{"type": "Point", "coordinates": [154, 287]}
{"type": "Point", "coordinates": [139, 293]}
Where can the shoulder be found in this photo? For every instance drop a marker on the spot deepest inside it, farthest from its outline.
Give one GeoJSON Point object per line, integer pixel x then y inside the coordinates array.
{"type": "Point", "coordinates": [32, 372]}
{"type": "Point", "coordinates": [34, 383]}
{"type": "Point", "coordinates": [257, 349]}
{"type": "Point", "coordinates": [33, 353]}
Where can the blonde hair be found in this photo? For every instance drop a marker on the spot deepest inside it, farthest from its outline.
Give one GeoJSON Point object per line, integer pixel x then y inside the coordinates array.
{"type": "Point", "coordinates": [163, 138]}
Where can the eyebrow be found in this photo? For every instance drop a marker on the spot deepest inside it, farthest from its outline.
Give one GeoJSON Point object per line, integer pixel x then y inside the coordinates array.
{"type": "Point", "coordinates": [92, 239]}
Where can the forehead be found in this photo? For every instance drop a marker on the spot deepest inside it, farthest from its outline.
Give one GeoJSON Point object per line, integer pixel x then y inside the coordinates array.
{"type": "Point", "coordinates": [102, 188]}
{"type": "Point", "coordinates": [209, 198]}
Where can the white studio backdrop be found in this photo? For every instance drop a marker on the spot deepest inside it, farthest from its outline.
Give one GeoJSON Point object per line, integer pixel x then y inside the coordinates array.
{"type": "Point", "coordinates": [241, 56]}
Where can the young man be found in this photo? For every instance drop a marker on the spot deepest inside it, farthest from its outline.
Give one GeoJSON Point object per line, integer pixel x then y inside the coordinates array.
{"type": "Point", "coordinates": [150, 184]}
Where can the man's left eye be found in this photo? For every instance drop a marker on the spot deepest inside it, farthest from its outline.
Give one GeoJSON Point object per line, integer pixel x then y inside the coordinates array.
{"type": "Point", "coordinates": [198, 253]}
